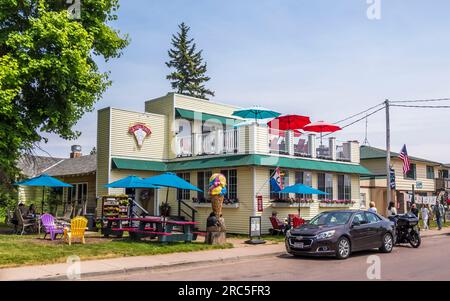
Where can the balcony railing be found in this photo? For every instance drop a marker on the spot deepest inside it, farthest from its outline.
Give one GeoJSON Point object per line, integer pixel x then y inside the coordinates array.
{"type": "Point", "coordinates": [216, 142]}
{"type": "Point", "coordinates": [184, 146]}
{"type": "Point", "coordinates": [443, 183]}
{"type": "Point", "coordinates": [262, 140]}
{"type": "Point", "coordinates": [342, 153]}
{"type": "Point", "coordinates": [277, 142]}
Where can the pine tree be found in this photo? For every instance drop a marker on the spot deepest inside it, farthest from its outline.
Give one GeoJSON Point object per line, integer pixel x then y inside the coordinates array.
{"type": "Point", "coordinates": [189, 75]}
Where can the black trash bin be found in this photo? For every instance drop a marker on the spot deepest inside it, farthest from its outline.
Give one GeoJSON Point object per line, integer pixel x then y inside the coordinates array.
{"type": "Point", "coordinates": [91, 221]}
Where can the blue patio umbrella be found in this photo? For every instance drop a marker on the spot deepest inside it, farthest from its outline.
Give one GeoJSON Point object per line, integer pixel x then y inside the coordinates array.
{"type": "Point", "coordinates": [301, 189]}
{"type": "Point", "coordinates": [171, 180]}
{"type": "Point", "coordinates": [256, 113]}
{"type": "Point", "coordinates": [131, 182]}
{"type": "Point", "coordinates": [43, 181]}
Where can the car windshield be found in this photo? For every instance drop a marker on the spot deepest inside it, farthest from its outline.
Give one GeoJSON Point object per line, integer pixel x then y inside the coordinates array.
{"type": "Point", "coordinates": [331, 218]}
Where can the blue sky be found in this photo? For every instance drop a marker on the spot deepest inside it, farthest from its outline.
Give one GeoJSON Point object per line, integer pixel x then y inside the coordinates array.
{"type": "Point", "coordinates": [320, 58]}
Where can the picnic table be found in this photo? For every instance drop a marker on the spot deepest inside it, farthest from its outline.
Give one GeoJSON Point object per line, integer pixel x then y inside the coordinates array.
{"type": "Point", "coordinates": [164, 230]}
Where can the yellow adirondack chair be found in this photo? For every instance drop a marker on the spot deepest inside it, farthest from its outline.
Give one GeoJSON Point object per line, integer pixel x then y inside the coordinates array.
{"type": "Point", "coordinates": [77, 227]}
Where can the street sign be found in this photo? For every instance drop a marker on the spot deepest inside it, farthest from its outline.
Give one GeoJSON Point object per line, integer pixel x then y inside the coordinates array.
{"type": "Point", "coordinates": [392, 176]}
{"type": "Point", "coordinates": [259, 199]}
{"type": "Point", "coordinates": [255, 231]}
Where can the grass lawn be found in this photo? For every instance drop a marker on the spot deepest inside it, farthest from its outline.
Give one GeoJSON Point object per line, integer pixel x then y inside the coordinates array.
{"type": "Point", "coordinates": [18, 250]}
{"type": "Point", "coordinates": [433, 224]}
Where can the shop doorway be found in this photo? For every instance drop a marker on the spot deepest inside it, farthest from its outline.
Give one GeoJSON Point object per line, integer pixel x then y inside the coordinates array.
{"type": "Point", "coordinates": [147, 202]}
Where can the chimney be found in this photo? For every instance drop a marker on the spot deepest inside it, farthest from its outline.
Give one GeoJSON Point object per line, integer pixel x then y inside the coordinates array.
{"type": "Point", "coordinates": [76, 151]}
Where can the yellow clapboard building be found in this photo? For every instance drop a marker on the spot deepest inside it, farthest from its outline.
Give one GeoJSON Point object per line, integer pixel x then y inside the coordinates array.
{"type": "Point", "coordinates": [195, 138]}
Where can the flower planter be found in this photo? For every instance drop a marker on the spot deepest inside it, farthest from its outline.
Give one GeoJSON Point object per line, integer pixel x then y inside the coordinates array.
{"type": "Point", "coordinates": [289, 205]}
{"type": "Point", "coordinates": [333, 205]}
{"type": "Point", "coordinates": [208, 205]}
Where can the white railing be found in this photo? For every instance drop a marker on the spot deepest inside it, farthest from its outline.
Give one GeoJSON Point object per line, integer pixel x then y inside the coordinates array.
{"type": "Point", "coordinates": [342, 153]}
{"type": "Point", "coordinates": [208, 143]}
{"type": "Point", "coordinates": [230, 141]}
{"type": "Point", "coordinates": [301, 147]}
{"type": "Point", "coordinates": [323, 151]}
{"type": "Point", "coordinates": [277, 142]}
{"type": "Point", "coordinates": [184, 146]}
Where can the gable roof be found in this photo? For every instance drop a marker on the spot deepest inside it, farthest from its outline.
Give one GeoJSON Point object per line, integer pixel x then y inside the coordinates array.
{"type": "Point", "coordinates": [74, 166]}
{"type": "Point", "coordinates": [370, 152]}
{"type": "Point", "coordinates": [32, 166]}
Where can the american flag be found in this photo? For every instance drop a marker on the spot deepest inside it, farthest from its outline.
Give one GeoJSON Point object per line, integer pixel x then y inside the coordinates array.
{"type": "Point", "coordinates": [404, 157]}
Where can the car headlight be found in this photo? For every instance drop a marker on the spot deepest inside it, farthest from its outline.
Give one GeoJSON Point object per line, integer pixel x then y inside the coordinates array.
{"type": "Point", "coordinates": [326, 234]}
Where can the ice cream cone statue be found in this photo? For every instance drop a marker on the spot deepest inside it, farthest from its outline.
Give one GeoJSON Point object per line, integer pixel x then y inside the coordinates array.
{"type": "Point", "coordinates": [216, 224]}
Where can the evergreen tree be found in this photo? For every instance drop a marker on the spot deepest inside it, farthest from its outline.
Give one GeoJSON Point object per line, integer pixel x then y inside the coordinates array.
{"type": "Point", "coordinates": [189, 76]}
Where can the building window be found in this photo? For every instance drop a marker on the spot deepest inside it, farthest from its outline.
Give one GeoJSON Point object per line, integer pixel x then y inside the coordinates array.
{"type": "Point", "coordinates": [285, 180]}
{"type": "Point", "coordinates": [184, 194]}
{"type": "Point", "coordinates": [305, 178]}
{"type": "Point", "coordinates": [363, 199]}
{"type": "Point", "coordinates": [203, 184]}
{"type": "Point", "coordinates": [77, 193]}
{"type": "Point", "coordinates": [344, 187]}
{"type": "Point", "coordinates": [325, 183]}
{"type": "Point", "coordinates": [430, 172]}
{"type": "Point", "coordinates": [231, 176]}
{"type": "Point", "coordinates": [411, 174]}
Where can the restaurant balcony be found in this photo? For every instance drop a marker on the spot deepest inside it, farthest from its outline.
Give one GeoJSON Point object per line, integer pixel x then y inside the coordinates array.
{"type": "Point", "coordinates": [257, 139]}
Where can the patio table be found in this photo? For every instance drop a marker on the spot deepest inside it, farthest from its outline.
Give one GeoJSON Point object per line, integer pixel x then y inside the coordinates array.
{"type": "Point", "coordinates": [154, 227]}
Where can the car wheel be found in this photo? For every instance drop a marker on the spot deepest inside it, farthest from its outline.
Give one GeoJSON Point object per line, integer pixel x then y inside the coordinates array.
{"type": "Point", "coordinates": [343, 248]}
{"type": "Point", "coordinates": [387, 244]}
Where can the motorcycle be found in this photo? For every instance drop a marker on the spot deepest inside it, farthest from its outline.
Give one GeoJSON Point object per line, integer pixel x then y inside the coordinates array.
{"type": "Point", "coordinates": [407, 229]}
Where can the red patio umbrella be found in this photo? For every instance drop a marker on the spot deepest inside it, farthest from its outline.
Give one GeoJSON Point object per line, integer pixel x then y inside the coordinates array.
{"type": "Point", "coordinates": [321, 127]}
{"type": "Point", "coordinates": [289, 122]}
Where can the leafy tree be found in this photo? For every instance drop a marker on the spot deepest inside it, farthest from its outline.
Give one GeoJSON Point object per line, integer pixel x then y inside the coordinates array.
{"type": "Point", "coordinates": [48, 76]}
{"type": "Point", "coordinates": [189, 77]}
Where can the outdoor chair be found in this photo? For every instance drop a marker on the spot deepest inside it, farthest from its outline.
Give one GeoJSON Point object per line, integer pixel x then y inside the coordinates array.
{"type": "Point", "coordinates": [10, 221]}
{"type": "Point", "coordinates": [77, 228]}
{"type": "Point", "coordinates": [278, 227]}
{"type": "Point", "coordinates": [65, 219]}
{"type": "Point", "coordinates": [23, 224]}
{"type": "Point", "coordinates": [48, 221]}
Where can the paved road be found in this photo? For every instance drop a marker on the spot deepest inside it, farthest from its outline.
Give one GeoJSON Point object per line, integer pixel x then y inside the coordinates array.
{"type": "Point", "coordinates": [429, 262]}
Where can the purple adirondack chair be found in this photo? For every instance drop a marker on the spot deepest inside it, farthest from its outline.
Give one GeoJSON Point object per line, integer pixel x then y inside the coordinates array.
{"type": "Point", "coordinates": [48, 221]}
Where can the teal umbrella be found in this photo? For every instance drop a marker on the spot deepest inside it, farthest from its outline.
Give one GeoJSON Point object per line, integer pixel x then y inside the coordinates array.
{"type": "Point", "coordinates": [170, 180]}
{"type": "Point", "coordinates": [131, 182]}
{"type": "Point", "coordinates": [301, 189]}
{"type": "Point", "coordinates": [256, 113]}
{"type": "Point", "coordinates": [43, 181]}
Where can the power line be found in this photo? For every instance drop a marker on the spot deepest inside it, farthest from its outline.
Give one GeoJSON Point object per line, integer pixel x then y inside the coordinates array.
{"type": "Point", "coordinates": [428, 107]}
{"type": "Point", "coordinates": [365, 111]}
{"type": "Point", "coordinates": [358, 120]}
{"type": "Point", "coordinates": [421, 100]}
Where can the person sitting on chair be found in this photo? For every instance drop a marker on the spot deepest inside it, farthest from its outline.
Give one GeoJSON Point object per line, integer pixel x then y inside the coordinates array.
{"type": "Point", "coordinates": [32, 210]}
{"type": "Point", "coordinates": [281, 224]}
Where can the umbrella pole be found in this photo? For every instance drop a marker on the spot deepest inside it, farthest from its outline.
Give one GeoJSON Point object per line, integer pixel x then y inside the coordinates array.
{"type": "Point", "coordinates": [43, 200]}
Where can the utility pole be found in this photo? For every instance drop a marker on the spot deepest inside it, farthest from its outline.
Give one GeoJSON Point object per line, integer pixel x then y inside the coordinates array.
{"type": "Point", "coordinates": [388, 154]}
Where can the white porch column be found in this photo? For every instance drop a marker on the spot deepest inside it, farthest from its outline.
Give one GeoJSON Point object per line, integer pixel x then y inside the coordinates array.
{"type": "Point", "coordinates": [312, 145]}
{"type": "Point", "coordinates": [332, 146]}
{"type": "Point", "coordinates": [290, 142]}
{"type": "Point", "coordinates": [218, 138]}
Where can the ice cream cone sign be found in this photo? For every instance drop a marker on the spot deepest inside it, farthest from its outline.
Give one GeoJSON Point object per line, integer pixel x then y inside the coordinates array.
{"type": "Point", "coordinates": [140, 131]}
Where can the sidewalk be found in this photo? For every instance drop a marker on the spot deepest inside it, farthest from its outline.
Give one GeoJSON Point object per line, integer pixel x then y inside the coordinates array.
{"type": "Point", "coordinates": [137, 263]}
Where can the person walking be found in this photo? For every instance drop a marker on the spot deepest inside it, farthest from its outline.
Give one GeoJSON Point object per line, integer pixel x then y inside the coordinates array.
{"type": "Point", "coordinates": [414, 210]}
{"type": "Point", "coordinates": [372, 207]}
{"type": "Point", "coordinates": [391, 209]}
{"type": "Point", "coordinates": [425, 214]}
{"type": "Point", "coordinates": [439, 213]}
